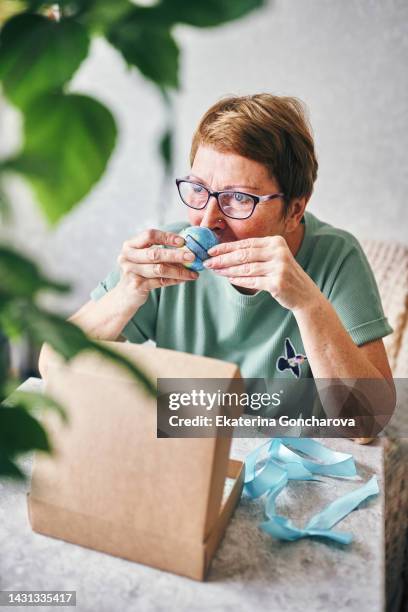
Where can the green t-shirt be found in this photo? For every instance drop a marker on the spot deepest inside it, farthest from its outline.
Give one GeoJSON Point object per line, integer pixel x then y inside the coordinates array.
{"type": "Point", "coordinates": [210, 317]}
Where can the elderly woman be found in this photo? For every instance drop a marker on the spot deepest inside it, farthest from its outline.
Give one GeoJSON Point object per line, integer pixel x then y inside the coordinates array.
{"type": "Point", "coordinates": [283, 294]}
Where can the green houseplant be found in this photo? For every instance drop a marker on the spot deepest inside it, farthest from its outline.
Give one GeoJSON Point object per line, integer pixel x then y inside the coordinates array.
{"type": "Point", "coordinates": [42, 45]}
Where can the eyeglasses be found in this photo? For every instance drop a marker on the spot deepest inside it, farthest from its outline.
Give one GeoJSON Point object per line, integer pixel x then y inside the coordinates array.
{"type": "Point", "coordinates": [234, 204]}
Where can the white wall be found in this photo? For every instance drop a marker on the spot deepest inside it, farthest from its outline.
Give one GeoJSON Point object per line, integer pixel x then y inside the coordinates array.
{"type": "Point", "coordinates": [345, 58]}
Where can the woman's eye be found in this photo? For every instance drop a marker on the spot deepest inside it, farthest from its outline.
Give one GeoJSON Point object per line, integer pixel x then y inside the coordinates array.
{"type": "Point", "coordinates": [239, 197]}
{"type": "Point", "coordinates": [197, 188]}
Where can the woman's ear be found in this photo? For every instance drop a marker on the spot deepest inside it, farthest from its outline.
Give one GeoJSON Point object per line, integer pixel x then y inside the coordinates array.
{"type": "Point", "coordinates": [295, 213]}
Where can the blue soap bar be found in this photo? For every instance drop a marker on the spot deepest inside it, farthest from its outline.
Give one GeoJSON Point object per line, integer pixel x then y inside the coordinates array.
{"type": "Point", "coordinates": [198, 240]}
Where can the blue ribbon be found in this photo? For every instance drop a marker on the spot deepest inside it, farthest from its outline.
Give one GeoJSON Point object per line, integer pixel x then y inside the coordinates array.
{"type": "Point", "coordinates": [281, 464]}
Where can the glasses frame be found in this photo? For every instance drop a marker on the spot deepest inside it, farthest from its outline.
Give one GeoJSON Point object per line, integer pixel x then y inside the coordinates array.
{"type": "Point", "coordinates": [257, 199]}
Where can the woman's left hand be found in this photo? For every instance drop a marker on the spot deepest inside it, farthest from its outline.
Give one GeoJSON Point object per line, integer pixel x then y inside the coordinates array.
{"type": "Point", "coordinates": [265, 264]}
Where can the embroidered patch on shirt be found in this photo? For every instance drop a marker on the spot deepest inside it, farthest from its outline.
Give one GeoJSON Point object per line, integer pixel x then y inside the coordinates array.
{"type": "Point", "coordinates": [291, 361]}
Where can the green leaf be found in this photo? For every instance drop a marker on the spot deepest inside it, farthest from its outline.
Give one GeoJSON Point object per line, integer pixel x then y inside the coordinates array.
{"type": "Point", "coordinates": [67, 7]}
{"type": "Point", "coordinates": [68, 142]}
{"type": "Point", "coordinates": [10, 385]}
{"type": "Point", "coordinates": [147, 384]}
{"type": "Point", "coordinates": [64, 337]}
{"type": "Point", "coordinates": [20, 432]}
{"type": "Point", "coordinates": [9, 468]}
{"type": "Point", "coordinates": [148, 46]}
{"type": "Point", "coordinates": [9, 8]}
{"type": "Point", "coordinates": [4, 361]}
{"type": "Point", "coordinates": [69, 340]}
{"type": "Point", "coordinates": [98, 15]}
{"type": "Point", "coordinates": [21, 277]}
{"type": "Point", "coordinates": [5, 207]}
{"type": "Point", "coordinates": [206, 14]}
{"type": "Point", "coordinates": [38, 55]}
{"type": "Point", "coordinates": [34, 402]}
{"type": "Point", "coordinates": [143, 35]}
{"type": "Point", "coordinates": [10, 323]}
{"type": "Point", "coordinates": [166, 148]}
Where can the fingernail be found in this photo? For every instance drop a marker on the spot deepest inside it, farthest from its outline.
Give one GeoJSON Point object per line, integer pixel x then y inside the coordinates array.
{"type": "Point", "coordinates": [212, 250]}
{"type": "Point", "coordinates": [188, 256]}
{"type": "Point", "coordinates": [179, 240]}
{"type": "Point", "coordinates": [207, 263]}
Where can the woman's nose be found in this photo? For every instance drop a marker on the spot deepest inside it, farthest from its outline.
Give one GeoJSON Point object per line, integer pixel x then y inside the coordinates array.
{"type": "Point", "coordinates": [212, 214]}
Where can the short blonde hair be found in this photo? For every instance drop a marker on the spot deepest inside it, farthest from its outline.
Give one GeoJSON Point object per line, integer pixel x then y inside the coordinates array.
{"type": "Point", "coordinates": [273, 130]}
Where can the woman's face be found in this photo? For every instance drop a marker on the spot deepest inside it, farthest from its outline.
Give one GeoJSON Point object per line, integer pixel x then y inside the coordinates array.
{"type": "Point", "coordinates": [228, 171]}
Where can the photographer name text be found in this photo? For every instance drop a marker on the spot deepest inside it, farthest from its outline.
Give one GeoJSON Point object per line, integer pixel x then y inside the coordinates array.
{"type": "Point", "coordinates": [257, 421]}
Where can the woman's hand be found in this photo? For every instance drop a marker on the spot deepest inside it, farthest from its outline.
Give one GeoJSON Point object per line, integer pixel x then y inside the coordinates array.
{"type": "Point", "coordinates": [265, 264]}
{"type": "Point", "coordinates": [145, 265]}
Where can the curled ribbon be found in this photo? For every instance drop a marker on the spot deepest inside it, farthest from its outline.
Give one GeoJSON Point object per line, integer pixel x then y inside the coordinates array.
{"type": "Point", "coordinates": [283, 464]}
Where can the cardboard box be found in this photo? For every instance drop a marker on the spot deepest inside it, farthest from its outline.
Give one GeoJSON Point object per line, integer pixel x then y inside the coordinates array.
{"type": "Point", "coordinates": [112, 485]}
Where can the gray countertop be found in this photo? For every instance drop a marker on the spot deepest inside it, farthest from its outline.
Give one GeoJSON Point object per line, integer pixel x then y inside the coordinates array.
{"type": "Point", "coordinates": [250, 570]}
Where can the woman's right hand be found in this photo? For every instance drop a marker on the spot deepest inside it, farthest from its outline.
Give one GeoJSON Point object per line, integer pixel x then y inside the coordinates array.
{"type": "Point", "coordinates": [145, 265]}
